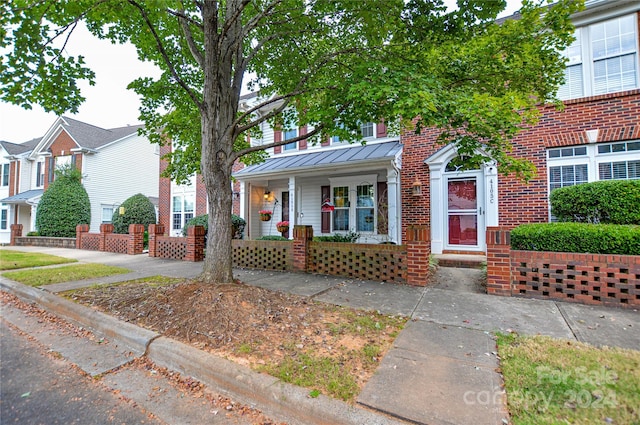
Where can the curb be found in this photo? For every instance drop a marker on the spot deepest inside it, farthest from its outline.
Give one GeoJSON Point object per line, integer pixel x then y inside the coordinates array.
{"type": "Point", "coordinates": [266, 393]}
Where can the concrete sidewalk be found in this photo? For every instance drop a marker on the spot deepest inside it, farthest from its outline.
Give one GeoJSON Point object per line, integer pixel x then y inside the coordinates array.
{"type": "Point", "coordinates": [442, 368]}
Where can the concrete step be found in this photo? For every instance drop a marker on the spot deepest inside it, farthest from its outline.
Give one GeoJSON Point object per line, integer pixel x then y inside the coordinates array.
{"type": "Point", "coordinates": [461, 260]}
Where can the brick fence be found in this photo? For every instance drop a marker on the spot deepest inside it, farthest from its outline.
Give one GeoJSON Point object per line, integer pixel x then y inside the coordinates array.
{"type": "Point", "coordinates": [107, 241]}
{"type": "Point", "coordinates": [597, 279]}
{"type": "Point", "coordinates": [18, 240]}
{"type": "Point", "coordinates": [189, 248]}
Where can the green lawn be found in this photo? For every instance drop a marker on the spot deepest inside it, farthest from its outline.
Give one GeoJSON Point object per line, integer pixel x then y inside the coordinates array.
{"type": "Point", "coordinates": [10, 260]}
{"type": "Point", "coordinates": [553, 381]}
{"type": "Point", "coordinates": [37, 277]}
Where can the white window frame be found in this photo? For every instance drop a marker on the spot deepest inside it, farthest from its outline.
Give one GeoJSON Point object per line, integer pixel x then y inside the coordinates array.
{"type": "Point", "coordinates": [6, 177]}
{"type": "Point", "coordinates": [4, 218]}
{"type": "Point", "coordinates": [287, 134]}
{"type": "Point", "coordinates": [367, 127]}
{"type": "Point", "coordinates": [40, 176]}
{"type": "Point", "coordinates": [179, 213]}
{"type": "Point", "coordinates": [63, 160]}
{"type": "Point", "coordinates": [580, 54]}
{"type": "Point", "coordinates": [352, 184]}
{"type": "Point", "coordinates": [109, 208]}
{"type": "Point", "coordinates": [592, 158]}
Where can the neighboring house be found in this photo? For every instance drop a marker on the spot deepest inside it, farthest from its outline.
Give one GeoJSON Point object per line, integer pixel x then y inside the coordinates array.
{"type": "Point", "coordinates": [596, 137]}
{"type": "Point", "coordinates": [115, 164]}
{"type": "Point", "coordinates": [359, 183]}
{"type": "Point", "coordinates": [379, 189]}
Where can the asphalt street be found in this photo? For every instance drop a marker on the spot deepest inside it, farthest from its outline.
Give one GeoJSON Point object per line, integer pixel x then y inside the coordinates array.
{"type": "Point", "coordinates": [37, 388]}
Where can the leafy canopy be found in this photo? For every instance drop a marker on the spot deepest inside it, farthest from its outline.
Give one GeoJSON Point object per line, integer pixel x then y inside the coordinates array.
{"type": "Point", "coordinates": [334, 64]}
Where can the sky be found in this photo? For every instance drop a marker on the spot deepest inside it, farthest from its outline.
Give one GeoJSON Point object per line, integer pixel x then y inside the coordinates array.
{"type": "Point", "coordinates": [108, 104]}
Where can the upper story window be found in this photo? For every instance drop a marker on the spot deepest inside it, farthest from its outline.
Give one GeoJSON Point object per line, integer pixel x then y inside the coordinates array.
{"type": "Point", "coordinates": [290, 134]}
{"type": "Point", "coordinates": [5, 174]}
{"type": "Point", "coordinates": [40, 174]}
{"type": "Point", "coordinates": [367, 130]}
{"type": "Point", "coordinates": [602, 59]}
{"type": "Point", "coordinates": [62, 161]}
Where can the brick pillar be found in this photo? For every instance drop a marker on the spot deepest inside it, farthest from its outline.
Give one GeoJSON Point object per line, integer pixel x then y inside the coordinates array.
{"type": "Point", "coordinates": [302, 235]}
{"type": "Point", "coordinates": [195, 243]}
{"type": "Point", "coordinates": [155, 230]}
{"type": "Point", "coordinates": [105, 229]}
{"type": "Point", "coordinates": [81, 229]}
{"type": "Point", "coordinates": [16, 232]}
{"type": "Point", "coordinates": [498, 261]}
{"type": "Point", "coordinates": [135, 244]}
{"type": "Point", "coordinates": [418, 239]}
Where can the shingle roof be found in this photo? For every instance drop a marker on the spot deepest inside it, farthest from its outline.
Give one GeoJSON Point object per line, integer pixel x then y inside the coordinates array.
{"type": "Point", "coordinates": [15, 149]}
{"type": "Point", "coordinates": [355, 154]}
{"type": "Point", "coordinates": [92, 137]}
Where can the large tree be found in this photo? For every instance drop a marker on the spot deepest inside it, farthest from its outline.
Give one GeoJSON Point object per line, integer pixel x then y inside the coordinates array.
{"type": "Point", "coordinates": [328, 64]}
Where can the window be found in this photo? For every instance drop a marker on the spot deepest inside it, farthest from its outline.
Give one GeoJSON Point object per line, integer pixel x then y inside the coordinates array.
{"type": "Point", "coordinates": [567, 175]}
{"type": "Point", "coordinates": [3, 219]}
{"type": "Point", "coordinates": [619, 161]}
{"type": "Point", "coordinates": [5, 174]}
{"type": "Point", "coordinates": [62, 161]}
{"type": "Point", "coordinates": [40, 174]}
{"type": "Point", "coordinates": [354, 204]}
{"type": "Point", "coordinates": [107, 213]}
{"type": "Point", "coordinates": [290, 134]}
{"type": "Point", "coordinates": [366, 130]}
{"type": "Point", "coordinates": [183, 208]}
{"type": "Point", "coordinates": [602, 59]}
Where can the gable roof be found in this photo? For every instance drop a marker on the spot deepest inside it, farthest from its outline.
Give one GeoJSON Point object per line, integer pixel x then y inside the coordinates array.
{"type": "Point", "coordinates": [14, 148]}
{"type": "Point", "coordinates": [349, 156]}
{"type": "Point", "coordinates": [93, 137]}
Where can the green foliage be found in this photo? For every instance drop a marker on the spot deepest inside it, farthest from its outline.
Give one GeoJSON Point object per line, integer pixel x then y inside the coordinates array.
{"type": "Point", "coordinates": [64, 205]}
{"type": "Point", "coordinates": [273, 238]}
{"type": "Point", "coordinates": [350, 237]}
{"type": "Point", "coordinates": [577, 237]}
{"type": "Point", "coordinates": [237, 223]}
{"type": "Point", "coordinates": [138, 209]}
{"type": "Point", "coordinates": [614, 202]}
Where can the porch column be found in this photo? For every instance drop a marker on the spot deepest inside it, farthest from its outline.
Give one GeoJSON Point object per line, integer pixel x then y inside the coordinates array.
{"type": "Point", "coordinates": [491, 194]}
{"type": "Point", "coordinates": [243, 202]}
{"type": "Point", "coordinates": [293, 218]}
{"type": "Point", "coordinates": [437, 207]}
{"type": "Point", "coordinates": [393, 211]}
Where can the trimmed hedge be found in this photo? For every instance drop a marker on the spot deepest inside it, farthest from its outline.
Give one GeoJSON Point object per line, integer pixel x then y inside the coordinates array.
{"type": "Point", "coordinates": [350, 237]}
{"type": "Point", "coordinates": [612, 202]}
{"type": "Point", "coordinates": [138, 209]}
{"type": "Point", "coordinates": [64, 205]}
{"type": "Point", "coordinates": [238, 223]}
{"type": "Point", "coordinates": [577, 237]}
{"type": "Point", "coordinates": [273, 238]}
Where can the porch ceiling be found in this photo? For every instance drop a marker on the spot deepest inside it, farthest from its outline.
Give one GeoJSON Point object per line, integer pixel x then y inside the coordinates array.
{"type": "Point", "coordinates": [324, 159]}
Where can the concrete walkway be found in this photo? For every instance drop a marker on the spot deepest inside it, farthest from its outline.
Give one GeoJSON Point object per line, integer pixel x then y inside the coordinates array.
{"type": "Point", "coordinates": [442, 367]}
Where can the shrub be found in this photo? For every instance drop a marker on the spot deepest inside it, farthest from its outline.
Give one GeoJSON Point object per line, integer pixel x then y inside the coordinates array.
{"type": "Point", "coordinates": [350, 237]}
{"type": "Point", "coordinates": [237, 223]}
{"type": "Point", "coordinates": [138, 209]}
{"type": "Point", "coordinates": [33, 234]}
{"type": "Point", "coordinates": [577, 237]}
{"type": "Point", "coordinates": [612, 202]}
{"type": "Point", "coordinates": [64, 205]}
{"type": "Point", "coordinates": [273, 238]}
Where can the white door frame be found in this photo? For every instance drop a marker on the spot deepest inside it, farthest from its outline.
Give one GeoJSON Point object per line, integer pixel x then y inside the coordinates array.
{"type": "Point", "coordinates": [487, 199]}
{"type": "Point", "coordinates": [479, 212]}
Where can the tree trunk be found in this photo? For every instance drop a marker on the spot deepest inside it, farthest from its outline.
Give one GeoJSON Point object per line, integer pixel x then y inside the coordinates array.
{"type": "Point", "coordinates": [218, 112]}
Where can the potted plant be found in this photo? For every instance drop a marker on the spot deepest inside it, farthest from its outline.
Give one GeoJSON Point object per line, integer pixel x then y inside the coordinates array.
{"type": "Point", "coordinates": [265, 215]}
{"type": "Point", "coordinates": [282, 226]}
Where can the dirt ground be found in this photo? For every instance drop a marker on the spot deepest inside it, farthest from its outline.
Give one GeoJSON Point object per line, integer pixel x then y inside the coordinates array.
{"type": "Point", "coordinates": [252, 326]}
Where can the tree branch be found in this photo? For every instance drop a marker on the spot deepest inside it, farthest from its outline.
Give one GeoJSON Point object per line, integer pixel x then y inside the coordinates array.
{"type": "Point", "coordinates": [246, 151]}
{"type": "Point", "coordinates": [165, 56]}
{"type": "Point", "coordinates": [193, 48]}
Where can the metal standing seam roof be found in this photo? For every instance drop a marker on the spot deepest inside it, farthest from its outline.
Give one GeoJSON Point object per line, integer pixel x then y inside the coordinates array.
{"type": "Point", "coordinates": [371, 152]}
{"type": "Point", "coordinates": [22, 196]}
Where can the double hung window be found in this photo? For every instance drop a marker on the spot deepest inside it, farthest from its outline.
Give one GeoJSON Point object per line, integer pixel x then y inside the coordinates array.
{"type": "Point", "coordinates": [183, 207]}
{"type": "Point", "coordinates": [354, 204]}
{"type": "Point", "coordinates": [5, 174]}
{"type": "Point", "coordinates": [602, 59]}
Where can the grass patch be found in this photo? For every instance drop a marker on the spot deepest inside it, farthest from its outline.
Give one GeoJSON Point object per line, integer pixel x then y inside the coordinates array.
{"type": "Point", "coordinates": [11, 260]}
{"type": "Point", "coordinates": [38, 277]}
{"type": "Point", "coordinates": [319, 373]}
{"type": "Point", "coordinates": [551, 381]}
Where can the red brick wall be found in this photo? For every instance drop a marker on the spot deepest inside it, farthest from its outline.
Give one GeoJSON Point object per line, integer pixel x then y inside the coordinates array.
{"type": "Point", "coordinates": [201, 196]}
{"type": "Point", "coordinates": [14, 172]}
{"type": "Point", "coordinates": [164, 192]}
{"type": "Point", "coordinates": [615, 115]}
{"type": "Point", "coordinates": [61, 146]}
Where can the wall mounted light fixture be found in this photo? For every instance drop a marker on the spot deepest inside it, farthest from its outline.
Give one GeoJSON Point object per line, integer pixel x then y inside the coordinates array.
{"type": "Point", "coordinates": [266, 195]}
{"type": "Point", "coordinates": [416, 188]}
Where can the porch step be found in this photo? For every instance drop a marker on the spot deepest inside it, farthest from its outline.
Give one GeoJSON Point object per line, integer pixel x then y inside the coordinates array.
{"type": "Point", "coordinates": [461, 260]}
